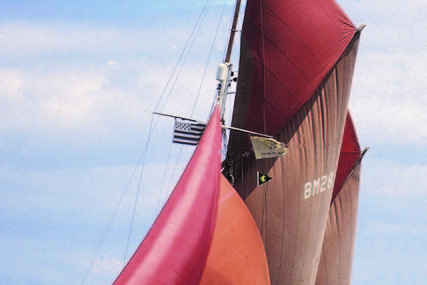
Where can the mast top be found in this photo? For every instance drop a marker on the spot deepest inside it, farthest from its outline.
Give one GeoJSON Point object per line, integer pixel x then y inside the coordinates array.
{"type": "Point", "coordinates": [233, 32]}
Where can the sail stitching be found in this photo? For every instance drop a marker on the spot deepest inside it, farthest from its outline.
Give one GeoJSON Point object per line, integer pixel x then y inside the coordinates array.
{"type": "Point", "coordinates": [349, 46]}
{"type": "Point", "coordinates": [308, 19]}
{"type": "Point", "coordinates": [301, 41]}
{"type": "Point", "coordinates": [301, 73]}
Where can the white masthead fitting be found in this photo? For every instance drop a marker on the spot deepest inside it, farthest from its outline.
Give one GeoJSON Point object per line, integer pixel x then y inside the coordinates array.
{"type": "Point", "coordinates": [222, 72]}
{"type": "Point", "coordinates": [223, 76]}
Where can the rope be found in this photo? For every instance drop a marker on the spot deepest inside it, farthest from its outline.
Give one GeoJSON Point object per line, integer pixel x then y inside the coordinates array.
{"type": "Point", "coordinates": [201, 84]}
{"type": "Point", "coordinates": [192, 39]}
{"type": "Point", "coordinates": [209, 57]}
{"type": "Point", "coordinates": [189, 43]}
{"type": "Point", "coordinates": [153, 124]}
{"type": "Point", "coordinates": [113, 216]}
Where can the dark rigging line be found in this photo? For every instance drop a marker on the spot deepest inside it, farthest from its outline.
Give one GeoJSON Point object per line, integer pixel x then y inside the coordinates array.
{"type": "Point", "coordinates": [201, 83]}
{"type": "Point", "coordinates": [209, 57]}
{"type": "Point", "coordinates": [111, 220]}
{"type": "Point", "coordinates": [143, 155]}
{"type": "Point", "coordinates": [198, 25]}
{"type": "Point", "coordinates": [182, 53]}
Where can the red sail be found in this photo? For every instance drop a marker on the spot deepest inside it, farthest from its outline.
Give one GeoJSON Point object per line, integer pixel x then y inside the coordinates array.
{"type": "Point", "coordinates": [175, 249]}
{"type": "Point", "coordinates": [338, 245]}
{"type": "Point", "coordinates": [287, 49]}
{"type": "Point", "coordinates": [296, 67]}
{"type": "Point", "coordinates": [350, 154]}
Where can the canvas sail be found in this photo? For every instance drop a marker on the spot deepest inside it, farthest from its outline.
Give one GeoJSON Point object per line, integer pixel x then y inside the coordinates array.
{"type": "Point", "coordinates": [295, 72]}
{"type": "Point", "coordinates": [175, 249]}
{"type": "Point", "coordinates": [338, 246]}
{"type": "Point", "coordinates": [237, 253]}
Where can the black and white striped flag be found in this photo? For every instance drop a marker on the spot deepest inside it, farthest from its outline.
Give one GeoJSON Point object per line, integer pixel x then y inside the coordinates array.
{"type": "Point", "coordinates": [187, 132]}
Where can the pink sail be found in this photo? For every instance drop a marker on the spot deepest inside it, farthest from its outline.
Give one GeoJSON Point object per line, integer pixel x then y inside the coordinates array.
{"type": "Point", "coordinates": [175, 249]}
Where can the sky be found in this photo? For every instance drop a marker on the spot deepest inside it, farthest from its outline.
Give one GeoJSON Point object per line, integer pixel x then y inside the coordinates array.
{"type": "Point", "coordinates": [79, 81]}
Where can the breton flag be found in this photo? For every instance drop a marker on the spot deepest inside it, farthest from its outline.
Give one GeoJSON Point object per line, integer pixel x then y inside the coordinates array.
{"type": "Point", "coordinates": [267, 147]}
{"type": "Point", "coordinates": [187, 132]}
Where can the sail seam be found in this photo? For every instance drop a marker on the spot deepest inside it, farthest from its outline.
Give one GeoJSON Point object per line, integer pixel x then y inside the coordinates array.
{"type": "Point", "coordinates": [346, 50]}
{"type": "Point", "coordinates": [294, 65]}
{"type": "Point", "coordinates": [280, 19]}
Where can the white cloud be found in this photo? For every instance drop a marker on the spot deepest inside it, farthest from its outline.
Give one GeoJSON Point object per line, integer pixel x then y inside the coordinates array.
{"type": "Point", "coordinates": [380, 228]}
{"type": "Point", "coordinates": [23, 38]}
{"type": "Point", "coordinates": [389, 97]}
{"type": "Point", "coordinates": [66, 213]}
{"type": "Point", "coordinates": [389, 251]}
{"type": "Point", "coordinates": [83, 84]}
{"type": "Point", "coordinates": [28, 38]}
{"type": "Point", "coordinates": [11, 82]}
{"type": "Point", "coordinates": [77, 100]}
{"type": "Point", "coordinates": [389, 89]}
{"type": "Point", "coordinates": [87, 96]}
{"type": "Point", "coordinates": [390, 179]}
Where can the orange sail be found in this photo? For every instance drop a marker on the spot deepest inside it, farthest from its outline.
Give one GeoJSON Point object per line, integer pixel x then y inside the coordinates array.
{"type": "Point", "coordinates": [237, 253]}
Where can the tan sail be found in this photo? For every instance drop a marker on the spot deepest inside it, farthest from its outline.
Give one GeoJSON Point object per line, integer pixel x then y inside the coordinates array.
{"type": "Point", "coordinates": [296, 68]}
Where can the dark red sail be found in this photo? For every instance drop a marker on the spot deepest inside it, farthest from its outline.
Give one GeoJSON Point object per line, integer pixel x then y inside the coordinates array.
{"type": "Point", "coordinates": [349, 155]}
{"type": "Point", "coordinates": [338, 246]}
{"type": "Point", "coordinates": [175, 249]}
{"type": "Point", "coordinates": [287, 49]}
{"type": "Point", "coordinates": [296, 67]}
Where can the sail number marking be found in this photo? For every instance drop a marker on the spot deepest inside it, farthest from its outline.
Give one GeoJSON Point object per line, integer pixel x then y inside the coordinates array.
{"type": "Point", "coordinates": [318, 185]}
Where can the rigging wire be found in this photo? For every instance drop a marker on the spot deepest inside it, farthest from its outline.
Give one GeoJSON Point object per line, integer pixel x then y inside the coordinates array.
{"type": "Point", "coordinates": [152, 127]}
{"type": "Point", "coordinates": [144, 155]}
{"type": "Point", "coordinates": [199, 25]}
{"type": "Point", "coordinates": [182, 53]}
{"type": "Point", "coordinates": [177, 76]}
{"type": "Point", "coordinates": [162, 192]}
{"type": "Point", "coordinates": [111, 221]}
{"type": "Point", "coordinates": [201, 84]}
{"type": "Point", "coordinates": [189, 44]}
{"type": "Point", "coordinates": [209, 57]}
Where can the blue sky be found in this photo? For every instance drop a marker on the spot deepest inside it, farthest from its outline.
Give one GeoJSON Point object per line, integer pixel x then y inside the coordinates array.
{"type": "Point", "coordinates": [78, 83]}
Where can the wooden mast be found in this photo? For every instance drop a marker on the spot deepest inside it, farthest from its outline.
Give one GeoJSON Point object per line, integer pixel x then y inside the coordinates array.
{"type": "Point", "coordinates": [233, 31]}
{"type": "Point", "coordinates": [224, 69]}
